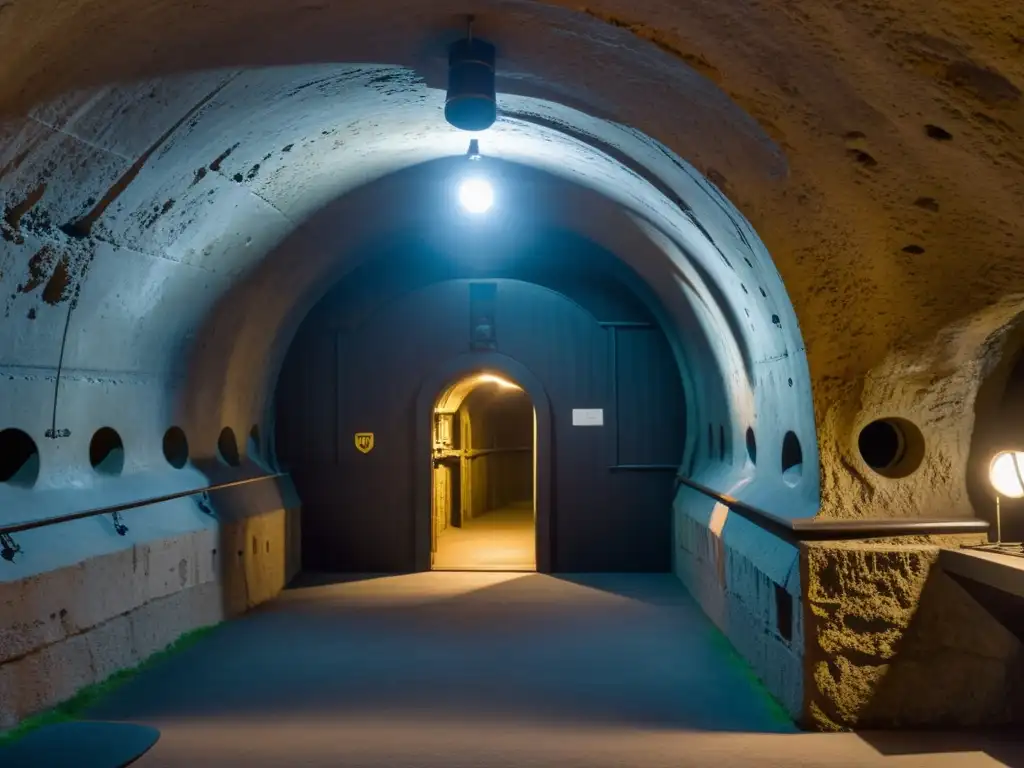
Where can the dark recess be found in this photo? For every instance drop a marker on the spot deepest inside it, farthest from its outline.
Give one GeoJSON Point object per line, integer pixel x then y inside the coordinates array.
{"type": "Point", "coordinates": [19, 458]}
{"type": "Point", "coordinates": [227, 447]}
{"type": "Point", "coordinates": [176, 447]}
{"type": "Point", "coordinates": [937, 133]}
{"type": "Point", "coordinates": [784, 612]}
{"type": "Point", "coordinates": [792, 453]}
{"type": "Point", "coordinates": [106, 451]}
{"type": "Point", "coordinates": [880, 444]}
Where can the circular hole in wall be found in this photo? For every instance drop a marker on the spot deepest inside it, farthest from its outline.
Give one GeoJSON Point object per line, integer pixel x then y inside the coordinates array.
{"type": "Point", "coordinates": [792, 459]}
{"type": "Point", "coordinates": [254, 441]}
{"type": "Point", "coordinates": [227, 447]}
{"type": "Point", "coordinates": [751, 445]}
{"type": "Point", "coordinates": [106, 452]}
{"type": "Point", "coordinates": [176, 447]}
{"type": "Point", "coordinates": [19, 458]}
{"type": "Point", "coordinates": [892, 447]}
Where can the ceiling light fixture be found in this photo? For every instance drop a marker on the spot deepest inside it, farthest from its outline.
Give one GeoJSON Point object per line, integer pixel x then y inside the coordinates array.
{"type": "Point", "coordinates": [471, 103]}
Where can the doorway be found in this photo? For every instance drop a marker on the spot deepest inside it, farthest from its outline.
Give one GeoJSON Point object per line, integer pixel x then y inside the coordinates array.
{"type": "Point", "coordinates": [483, 478]}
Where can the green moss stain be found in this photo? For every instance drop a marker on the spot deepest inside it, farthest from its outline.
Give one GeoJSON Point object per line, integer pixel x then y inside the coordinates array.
{"type": "Point", "coordinates": [731, 656]}
{"type": "Point", "coordinates": [88, 697]}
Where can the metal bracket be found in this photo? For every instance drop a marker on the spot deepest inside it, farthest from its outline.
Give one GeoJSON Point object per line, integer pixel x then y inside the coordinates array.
{"type": "Point", "coordinates": [203, 502]}
{"type": "Point", "coordinates": [8, 549]}
{"type": "Point", "coordinates": [119, 525]}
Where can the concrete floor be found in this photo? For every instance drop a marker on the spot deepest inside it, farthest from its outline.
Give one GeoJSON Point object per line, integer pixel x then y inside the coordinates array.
{"type": "Point", "coordinates": [499, 540]}
{"type": "Point", "coordinates": [475, 670]}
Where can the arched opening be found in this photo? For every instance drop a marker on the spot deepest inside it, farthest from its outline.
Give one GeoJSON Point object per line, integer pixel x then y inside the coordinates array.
{"type": "Point", "coordinates": [175, 447]}
{"type": "Point", "coordinates": [254, 445]}
{"type": "Point", "coordinates": [106, 452]}
{"type": "Point", "coordinates": [483, 510]}
{"type": "Point", "coordinates": [19, 458]}
{"type": "Point", "coordinates": [213, 215]}
{"type": "Point", "coordinates": [792, 459]}
{"type": "Point", "coordinates": [227, 447]}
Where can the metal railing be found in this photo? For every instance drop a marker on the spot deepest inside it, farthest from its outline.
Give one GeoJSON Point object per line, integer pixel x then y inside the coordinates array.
{"type": "Point", "coordinates": [792, 530]}
{"type": "Point", "coordinates": [795, 530]}
{"type": "Point", "coordinates": [115, 509]}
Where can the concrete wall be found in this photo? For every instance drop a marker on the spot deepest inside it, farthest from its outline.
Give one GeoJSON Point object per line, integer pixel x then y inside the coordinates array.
{"type": "Point", "coordinates": [66, 625]}
{"type": "Point", "coordinates": [748, 583]}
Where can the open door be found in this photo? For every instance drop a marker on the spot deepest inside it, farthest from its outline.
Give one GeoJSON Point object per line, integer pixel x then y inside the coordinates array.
{"type": "Point", "coordinates": [483, 458]}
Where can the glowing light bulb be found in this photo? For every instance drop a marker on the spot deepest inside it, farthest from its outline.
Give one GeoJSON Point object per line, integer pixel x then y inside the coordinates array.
{"type": "Point", "coordinates": [1006, 473]}
{"type": "Point", "coordinates": [476, 195]}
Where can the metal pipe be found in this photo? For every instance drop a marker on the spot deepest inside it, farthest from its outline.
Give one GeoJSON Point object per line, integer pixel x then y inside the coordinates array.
{"type": "Point", "coordinates": [813, 529]}
{"type": "Point", "coordinates": [114, 508]}
{"type": "Point", "coordinates": [615, 391]}
{"type": "Point", "coordinates": [644, 468]}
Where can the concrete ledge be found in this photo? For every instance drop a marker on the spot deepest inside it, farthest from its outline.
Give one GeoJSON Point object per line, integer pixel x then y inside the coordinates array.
{"type": "Point", "coordinates": [64, 629]}
{"type": "Point", "coordinates": [1003, 572]}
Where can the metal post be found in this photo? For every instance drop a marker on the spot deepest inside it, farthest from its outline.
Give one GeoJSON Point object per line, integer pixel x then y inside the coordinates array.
{"type": "Point", "coordinates": [999, 523]}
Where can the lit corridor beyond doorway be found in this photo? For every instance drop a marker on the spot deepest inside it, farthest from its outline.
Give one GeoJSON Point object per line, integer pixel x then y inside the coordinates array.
{"type": "Point", "coordinates": [498, 540]}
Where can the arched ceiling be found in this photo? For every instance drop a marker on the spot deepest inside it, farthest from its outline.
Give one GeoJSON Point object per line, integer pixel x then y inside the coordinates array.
{"type": "Point", "coordinates": [899, 244]}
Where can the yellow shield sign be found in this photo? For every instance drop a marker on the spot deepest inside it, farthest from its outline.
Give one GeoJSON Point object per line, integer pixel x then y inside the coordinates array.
{"type": "Point", "coordinates": [364, 442]}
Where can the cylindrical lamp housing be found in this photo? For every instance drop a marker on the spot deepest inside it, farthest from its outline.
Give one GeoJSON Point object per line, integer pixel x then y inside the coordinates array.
{"type": "Point", "coordinates": [471, 104]}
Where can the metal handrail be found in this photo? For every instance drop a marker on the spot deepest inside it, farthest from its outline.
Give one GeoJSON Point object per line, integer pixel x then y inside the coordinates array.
{"type": "Point", "coordinates": [117, 508]}
{"type": "Point", "coordinates": [795, 530]}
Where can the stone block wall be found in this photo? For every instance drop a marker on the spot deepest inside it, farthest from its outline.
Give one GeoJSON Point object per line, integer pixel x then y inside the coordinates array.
{"type": "Point", "coordinates": [113, 602]}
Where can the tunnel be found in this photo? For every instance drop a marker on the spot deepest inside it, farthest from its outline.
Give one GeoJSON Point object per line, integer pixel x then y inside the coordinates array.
{"type": "Point", "coordinates": [542, 311]}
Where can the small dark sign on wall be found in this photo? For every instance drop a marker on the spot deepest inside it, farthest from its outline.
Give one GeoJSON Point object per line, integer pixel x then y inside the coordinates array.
{"type": "Point", "coordinates": [482, 328]}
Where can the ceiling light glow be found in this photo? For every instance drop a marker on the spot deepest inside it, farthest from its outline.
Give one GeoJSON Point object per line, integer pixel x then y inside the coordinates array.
{"type": "Point", "coordinates": [490, 378]}
{"type": "Point", "coordinates": [476, 195]}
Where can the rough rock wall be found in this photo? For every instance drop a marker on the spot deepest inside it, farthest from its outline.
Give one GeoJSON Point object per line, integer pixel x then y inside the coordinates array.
{"type": "Point", "coordinates": [67, 628]}
{"type": "Point", "coordinates": [893, 641]}
{"type": "Point", "coordinates": [898, 231]}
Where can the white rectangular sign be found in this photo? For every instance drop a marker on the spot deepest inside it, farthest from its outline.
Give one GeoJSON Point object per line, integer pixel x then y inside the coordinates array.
{"type": "Point", "coordinates": [588, 417]}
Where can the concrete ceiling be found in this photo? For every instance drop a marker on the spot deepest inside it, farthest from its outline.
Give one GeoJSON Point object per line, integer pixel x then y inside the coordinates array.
{"type": "Point", "coordinates": [876, 149]}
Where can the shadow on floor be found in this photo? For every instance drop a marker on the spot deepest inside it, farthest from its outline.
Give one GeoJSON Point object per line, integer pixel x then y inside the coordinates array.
{"type": "Point", "coordinates": [461, 647]}
{"type": "Point", "coordinates": [1004, 745]}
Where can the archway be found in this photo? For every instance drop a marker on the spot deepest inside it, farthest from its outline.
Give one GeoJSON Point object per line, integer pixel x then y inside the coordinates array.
{"type": "Point", "coordinates": [443, 380]}
{"type": "Point", "coordinates": [482, 500]}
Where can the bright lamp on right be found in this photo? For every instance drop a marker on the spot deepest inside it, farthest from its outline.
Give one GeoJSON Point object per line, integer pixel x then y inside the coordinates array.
{"type": "Point", "coordinates": [1006, 474]}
